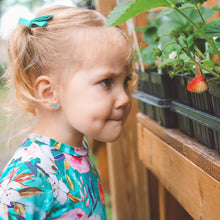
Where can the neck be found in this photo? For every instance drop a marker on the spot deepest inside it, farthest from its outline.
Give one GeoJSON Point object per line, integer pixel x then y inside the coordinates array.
{"type": "Point", "coordinates": [48, 126]}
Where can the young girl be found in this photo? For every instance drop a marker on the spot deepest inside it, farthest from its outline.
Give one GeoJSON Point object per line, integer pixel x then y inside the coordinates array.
{"type": "Point", "coordinates": [72, 73]}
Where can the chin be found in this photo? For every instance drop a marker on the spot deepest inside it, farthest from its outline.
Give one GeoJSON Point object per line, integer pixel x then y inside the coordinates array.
{"type": "Point", "coordinates": [109, 139]}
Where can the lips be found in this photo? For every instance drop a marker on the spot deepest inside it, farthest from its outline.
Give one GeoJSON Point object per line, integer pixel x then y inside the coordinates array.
{"type": "Point", "coordinates": [116, 118]}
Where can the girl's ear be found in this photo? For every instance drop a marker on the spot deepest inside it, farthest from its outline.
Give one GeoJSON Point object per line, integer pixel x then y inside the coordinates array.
{"type": "Point", "coordinates": [45, 93]}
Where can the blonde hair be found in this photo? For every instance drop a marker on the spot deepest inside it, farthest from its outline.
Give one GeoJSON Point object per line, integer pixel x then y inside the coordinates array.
{"type": "Point", "coordinates": [36, 51]}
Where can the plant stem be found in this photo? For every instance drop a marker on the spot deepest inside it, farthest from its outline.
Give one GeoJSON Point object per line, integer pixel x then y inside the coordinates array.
{"type": "Point", "coordinates": [200, 14]}
{"type": "Point", "coordinates": [199, 29]}
{"type": "Point", "coordinates": [168, 45]}
{"type": "Point", "coordinates": [199, 52]}
{"type": "Point", "coordinates": [203, 67]}
{"type": "Point", "coordinates": [165, 35]}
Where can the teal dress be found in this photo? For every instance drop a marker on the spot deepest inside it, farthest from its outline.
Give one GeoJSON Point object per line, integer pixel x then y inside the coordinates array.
{"type": "Point", "coordinates": [46, 179]}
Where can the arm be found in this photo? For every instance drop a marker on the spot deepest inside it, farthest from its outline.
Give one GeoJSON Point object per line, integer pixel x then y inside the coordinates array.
{"type": "Point", "coordinates": [25, 191]}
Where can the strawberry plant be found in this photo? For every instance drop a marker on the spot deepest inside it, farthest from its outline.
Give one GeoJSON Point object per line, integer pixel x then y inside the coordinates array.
{"type": "Point", "coordinates": [198, 38]}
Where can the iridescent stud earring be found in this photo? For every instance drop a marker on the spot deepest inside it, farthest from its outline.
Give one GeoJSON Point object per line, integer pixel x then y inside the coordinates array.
{"type": "Point", "coordinates": [55, 106]}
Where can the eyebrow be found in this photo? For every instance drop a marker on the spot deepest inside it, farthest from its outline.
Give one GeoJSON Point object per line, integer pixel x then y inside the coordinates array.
{"type": "Point", "coordinates": [109, 74]}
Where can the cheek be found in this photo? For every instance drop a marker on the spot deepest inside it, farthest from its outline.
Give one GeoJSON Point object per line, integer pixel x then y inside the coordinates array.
{"type": "Point", "coordinates": [101, 111]}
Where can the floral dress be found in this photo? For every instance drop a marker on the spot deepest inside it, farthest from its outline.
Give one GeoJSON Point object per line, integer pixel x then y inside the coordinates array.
{"type": "Point", "coordinates": [46, 179]}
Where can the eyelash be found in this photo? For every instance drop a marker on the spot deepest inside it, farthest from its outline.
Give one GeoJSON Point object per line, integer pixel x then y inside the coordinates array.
{"type": "Point", "coordinates": [126, 83]}
{"type": "Point", "coordinates": [108, 82]}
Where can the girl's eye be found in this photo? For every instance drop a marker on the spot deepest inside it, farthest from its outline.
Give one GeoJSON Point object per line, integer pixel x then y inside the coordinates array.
{"type": "Point", "coordinates": [106, 82]}
{"type": "Point", "coordinates": [126, 83]}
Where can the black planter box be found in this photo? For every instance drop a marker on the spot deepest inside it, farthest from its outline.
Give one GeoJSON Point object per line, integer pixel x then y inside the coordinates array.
{"type": "Point", "coordinates": [206, 126]}
{"type": "Point", "coordinates": [159, 85]}
{"type": "Point", "coordinates": [144, 83]}
{"type": "Point", "coordinates": [162, 85]}
{"type": "Point", "coordinates": [202, 102]}
{"type": "Point", "coordinates": [168, 102]}
{"type": "Point", "coordinates": [157, 109]}
{"type": "Point", "coordinates": [154, 90]}
{"type": "Point", "coordinates": [214, 90]}
{"type": "Point", "coordinates": [183, 96]}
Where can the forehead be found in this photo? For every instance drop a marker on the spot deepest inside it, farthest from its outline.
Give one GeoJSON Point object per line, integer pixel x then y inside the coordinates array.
{"type": "Point", "coordinates": [96, 45]}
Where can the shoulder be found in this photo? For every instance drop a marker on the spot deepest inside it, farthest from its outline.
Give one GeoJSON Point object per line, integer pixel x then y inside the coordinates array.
{"type": "Point", "coordinates": [31, 161]}
{"type": "Point", "coordinates": [30, 166]}
{"type": "Point", "coordinates": [25, 183]}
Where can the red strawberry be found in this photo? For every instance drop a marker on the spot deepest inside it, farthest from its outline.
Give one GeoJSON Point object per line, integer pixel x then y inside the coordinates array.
{"type": "Point", "coordinates": [197, 85]}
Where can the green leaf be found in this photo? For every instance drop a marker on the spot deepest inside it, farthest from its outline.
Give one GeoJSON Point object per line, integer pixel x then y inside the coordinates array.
{"type": "Point", "coordinates": [212, 29]}
{"type": "Point", "coordinates": [194, 15]}
{"type": "Point", "coordinates": [187, 6]}
{"type": "Point", "coordinates": [147, 55]}
{"type": "Point", "coordinates": [148, 35]}
{"type": "Point", "coordinates": [119, 12]}
{"type": "Point", "coordinates": [209, 63]}
{"type": "Point", "coordinates": [130, 9]}
{"type": "Point", "coordinates": [216, 7]}
{"type": "Point", "coordinates": [207, 12]}
{"type": "Point", "coordinates": [167, 62]}
{"type": "Point", "coordinates": [165, 12]}
{"type": "Point", "coordinates": [196, 1]}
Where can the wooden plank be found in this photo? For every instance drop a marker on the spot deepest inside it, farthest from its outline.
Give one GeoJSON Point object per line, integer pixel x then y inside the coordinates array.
{"type": "Point", "coordinates": [207, 159]}
{"type": "Point", "coordinates": [162, 202]}
{"type": "Point", "coordinates": [100, 151]}
{"type": "Point", "coordinates": [193, 188]}
{"type": "Point", "coordinates": [105, 6]}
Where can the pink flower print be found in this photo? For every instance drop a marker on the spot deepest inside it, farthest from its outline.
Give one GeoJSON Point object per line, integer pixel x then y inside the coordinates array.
{"type": "Point", "coordinates": [78, 163]}
{"type": "Point", "coordinates": [42, 152]}
{"type": "Point", "coordinates": [95, 217]}
{"type": "Point", "coordinates": [81, 151]}
{"type": "Point", "coordinates": [85, 192]}
{"type": "Point", "coordinates": [87, 203]}
{"type": "Point", "coordinates": [82, 180]}
{"type": "Point", "coordinates": [101, 194]}
{"type": "Point", "coordinates": [75, 214]}
{"type": "Point", "coordinates": [80, 185]}
{"type": "Point", "coordinates": [82, 196]}
{"type": "Point", "coordinates": [59, 189]}
{"type": "Point", "coordinates": [32, 149]}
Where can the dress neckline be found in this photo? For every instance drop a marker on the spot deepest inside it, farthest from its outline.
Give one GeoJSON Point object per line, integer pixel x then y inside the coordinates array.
{"type": "Point", "coordinates": [59, 146]}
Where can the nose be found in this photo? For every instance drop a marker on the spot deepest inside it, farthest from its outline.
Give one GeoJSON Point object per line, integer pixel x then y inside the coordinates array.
{"type": "Point", "coordinates": [123, 99]}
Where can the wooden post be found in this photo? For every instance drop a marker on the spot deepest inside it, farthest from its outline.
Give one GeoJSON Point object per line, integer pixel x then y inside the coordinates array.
{"type": "Point", "coordinates": [105, 6]}
{"type": "Point", "coordinates": [128, 176]}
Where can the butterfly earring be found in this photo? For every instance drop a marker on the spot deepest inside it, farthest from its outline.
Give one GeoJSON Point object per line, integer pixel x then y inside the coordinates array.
{"type": "Point", "coordinates": [55, 106]}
